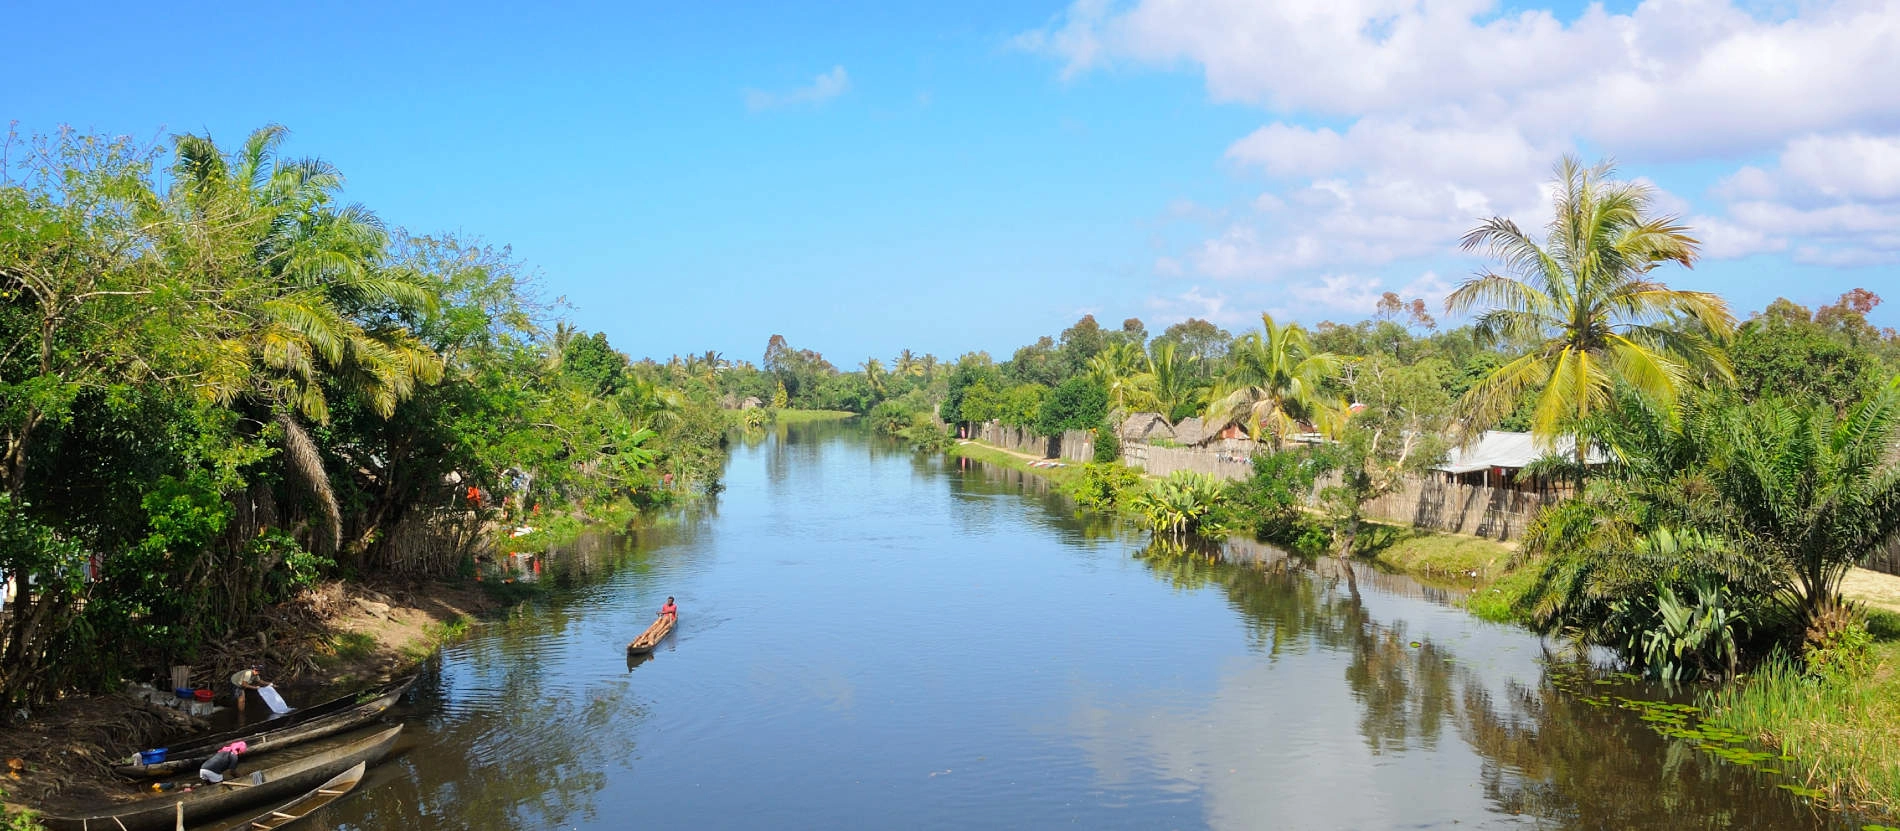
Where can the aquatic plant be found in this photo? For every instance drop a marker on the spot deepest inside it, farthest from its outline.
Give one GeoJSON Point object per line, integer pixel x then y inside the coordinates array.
{"type": "Point", "coordinates": [1186, 504]}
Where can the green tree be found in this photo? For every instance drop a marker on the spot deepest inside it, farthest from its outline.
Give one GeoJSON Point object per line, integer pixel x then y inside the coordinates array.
{"type": "Point", "coordinates": [1080, 342]}
{"type": "Point", "coordinates": [1076, 404]}
{"type": "Point", "coordinates": [323, 308]}
{"type": "Point", "coordinates": [1174, 381]}
{"type": "Point", "coordinates": [979, 403]}
{"type": "Point", "coordinates": [600, 369]}
{"type": "Point", "coordinates": [1120, 369]}
{"type": "Point", "coordinates": [1021, 405]}
{"type": "Point", "coordinates": [1584, 309]}
{"type": "Point", "coordinates": [1037, 363]}
{"type": "Point", "coordinates": [1275, 381]}
{"type": "Point", "coordinates": [1397, 431]}
{"type": "Point", "coordinates": [1199, 339]}
{"type": "Point", "coordinates": [875, 375]}
{"type": "Point", "coordinates": [970, 369]}
{"type": "Point", "coordinates": [1813, 492]}
{"type": "Point", "coordinates": [1782, 352]}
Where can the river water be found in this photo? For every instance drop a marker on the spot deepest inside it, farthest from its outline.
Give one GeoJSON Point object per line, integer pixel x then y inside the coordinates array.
{"type": "Point", "coordinates": [875, 639]}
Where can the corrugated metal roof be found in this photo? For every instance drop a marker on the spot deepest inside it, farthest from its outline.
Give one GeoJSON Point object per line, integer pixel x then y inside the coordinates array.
{"type": "Point", "coordinates": [1497, 448]}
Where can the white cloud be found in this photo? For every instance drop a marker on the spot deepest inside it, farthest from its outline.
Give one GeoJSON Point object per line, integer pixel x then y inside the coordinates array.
{"type": "Point", "coordinates": [1838, 195]}
{"type": "Point", "coordinates": [1440, 113]}
{"type": "Point", "coordinates": [1358, 296]}
{"type": "Point", "coordinates": [824, 87]}
{"type": "Point", "coordinates": [1825, 168]}
{"type": "Point", "coordinates": [1725, 240]}
{"type": "Point", "coordinates": [1679, 75]}
{"type": "Point", "coordinates": [1195, 303]}
{"type": "Point", "coordinates": [1493, 153]}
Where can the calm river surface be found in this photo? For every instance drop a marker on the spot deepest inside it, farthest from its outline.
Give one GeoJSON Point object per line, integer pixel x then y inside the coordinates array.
{"type": "Point", "coordinates": [873, 639]}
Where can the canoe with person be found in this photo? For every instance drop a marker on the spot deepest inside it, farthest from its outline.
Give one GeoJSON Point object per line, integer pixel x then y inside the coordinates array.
{"type": "Point", "coordinates": [311, 723]}
{"type": "Point", "coordinates": [643, 645]}
{"type": "Point", "coordinates": [234, 793]}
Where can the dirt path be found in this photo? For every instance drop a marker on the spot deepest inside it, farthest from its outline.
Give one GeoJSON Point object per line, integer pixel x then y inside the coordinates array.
{"type": "Point", "coordinates": [1876, 589]}
{"type": "Point", "coordinates": [1017, 453]}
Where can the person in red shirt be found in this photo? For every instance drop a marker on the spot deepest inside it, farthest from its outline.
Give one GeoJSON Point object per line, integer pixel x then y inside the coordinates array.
{"type": "Point", "coordinates": [669, 610]}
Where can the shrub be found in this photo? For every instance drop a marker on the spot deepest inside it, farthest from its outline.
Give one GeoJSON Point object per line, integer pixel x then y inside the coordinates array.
{"type": "Point", "coordinates": [1274, 497]}
{"type": "Point", "coordinates": [1108, 445]}
{"type": "Point", "coordinates": [1686, 641]}
{"type": "Point", "coordinates": [1184, 505]}
{"type": "Point", "coordinates": [1104, 486]}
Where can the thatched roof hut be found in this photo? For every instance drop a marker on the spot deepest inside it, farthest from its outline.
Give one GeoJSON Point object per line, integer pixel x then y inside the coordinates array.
{"type": "Point", "coordinates": [1144, 427]}
{"type": "Point", "coordinates": [1192, 432]}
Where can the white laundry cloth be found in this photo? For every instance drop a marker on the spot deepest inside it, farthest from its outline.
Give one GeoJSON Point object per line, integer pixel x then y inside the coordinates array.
{"type": "Point", "coordinates": [276, 702]}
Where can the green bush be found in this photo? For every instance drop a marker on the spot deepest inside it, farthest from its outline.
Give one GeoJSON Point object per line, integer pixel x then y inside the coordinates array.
{"type": "Point", "coordinates": [1108, 445]}
{"type": "Point", "coordinates": [1104, 486]}
{"type": "Point", "coordinates": [1077, 404]}
{"type": "Point", "coordinates": [1842, 654]}
{"type": "Point", "coordinates": [1273, 499]}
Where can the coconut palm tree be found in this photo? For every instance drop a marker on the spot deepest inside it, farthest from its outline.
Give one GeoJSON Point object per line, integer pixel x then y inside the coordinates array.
{"type": "Point", "coordinates": [1584, 303]}
{"type": "Point", "coordinates": [564, 333]}
{"type": "Point", "coordinates": [928, 363]}
{"type": "Point", "coordinates": [874, 375]}
{"type": "Point", "coordinates": [1171, 378]}
{"type": "Point", "coordinates": [1273, 381]}
{"type": "Point", "coordinates": [907, 365]}
{"type": "Point", "coordinates": [1121, 369]}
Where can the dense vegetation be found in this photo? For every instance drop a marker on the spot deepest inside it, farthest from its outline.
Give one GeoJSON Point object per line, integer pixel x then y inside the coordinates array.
{"type": "Point", "coordinates": [219, 382]}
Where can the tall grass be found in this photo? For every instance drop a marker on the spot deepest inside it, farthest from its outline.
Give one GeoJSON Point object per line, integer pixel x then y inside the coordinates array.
{"type": "Point", "coordinates": [1841, 733]}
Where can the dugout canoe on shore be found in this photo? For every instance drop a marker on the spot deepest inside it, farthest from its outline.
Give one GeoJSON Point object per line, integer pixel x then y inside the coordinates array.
{"type": "Point", "coordinates": [327, 719]}
{"type": "Point", "coordinates": [241, 791]}
{"type": "Point", "coordinates": [304, 805]}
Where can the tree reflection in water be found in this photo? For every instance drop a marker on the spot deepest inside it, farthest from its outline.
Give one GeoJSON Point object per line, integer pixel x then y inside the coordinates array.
{"type": "Point", "coordinates": [1547, 754]}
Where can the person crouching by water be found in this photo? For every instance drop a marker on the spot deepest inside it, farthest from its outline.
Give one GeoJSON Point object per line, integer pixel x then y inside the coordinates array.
{"type": "Point", "coordinates": [250, 678]}
{"type": "Point", "coordinates": [670, 610]}
{"type": "Point", "coordinates": [222, 763]}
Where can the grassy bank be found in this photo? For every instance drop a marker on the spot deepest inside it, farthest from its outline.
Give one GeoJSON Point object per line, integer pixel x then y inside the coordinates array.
{"type": "Point", "coordinates": [789, 416]}
{"type": "Point", "coordinates": [1435, 554]}
{"type": "Point", "coordinates": [1015, 461]}
{"type": "Point", "coordinates": [1843, 733]}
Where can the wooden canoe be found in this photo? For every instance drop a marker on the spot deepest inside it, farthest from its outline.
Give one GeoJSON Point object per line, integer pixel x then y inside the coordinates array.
{"type": "Point", "coordinates": [209, 802]}
{"type": "Point", "coordinates": [326, 719]}
{"type": "Point", "coordinates": [651, 637]}
{"type": "Point", "coordinates": [305, 805]}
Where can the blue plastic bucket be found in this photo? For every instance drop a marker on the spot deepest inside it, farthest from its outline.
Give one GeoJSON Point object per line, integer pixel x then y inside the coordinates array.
{"type": "Point", "coordinates": [152, 757]}
{"type": "Point", "coordinates": [182, 692]}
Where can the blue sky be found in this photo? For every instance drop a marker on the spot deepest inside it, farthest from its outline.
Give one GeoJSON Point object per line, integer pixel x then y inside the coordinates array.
{"type": "Point", "coordinates": [867, 177]}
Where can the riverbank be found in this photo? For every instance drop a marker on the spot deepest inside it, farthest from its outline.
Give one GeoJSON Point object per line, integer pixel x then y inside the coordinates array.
{"type": "Point", "coordinates": [1469, 561]}
{"type": "Point", "coordinates": [789, 416]}
{"type": "Point", "coordinates": [1842, 732]}
{"type": "Point", "coordinates": [332, 635]}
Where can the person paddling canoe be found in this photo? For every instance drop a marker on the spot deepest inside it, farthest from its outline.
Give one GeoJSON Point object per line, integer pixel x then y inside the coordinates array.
{"type": "Point", "coordinates": [670, 610]}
